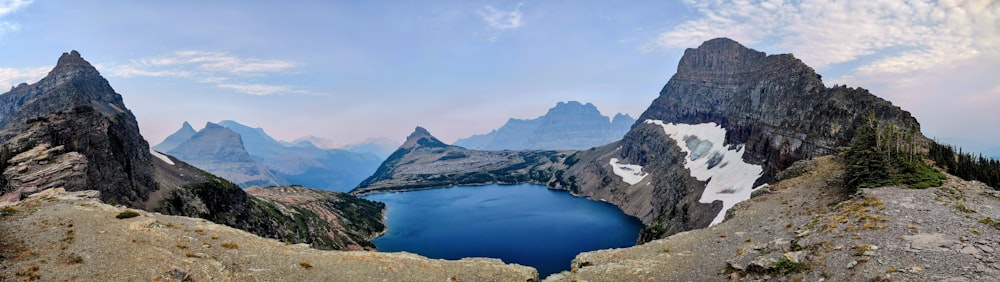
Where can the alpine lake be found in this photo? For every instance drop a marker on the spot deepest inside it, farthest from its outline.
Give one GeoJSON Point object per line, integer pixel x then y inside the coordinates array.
{"type": "Point", "coordinates": [524, 224]}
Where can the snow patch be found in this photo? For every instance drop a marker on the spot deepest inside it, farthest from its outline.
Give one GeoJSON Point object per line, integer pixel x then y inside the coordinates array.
{"type": "Point", "coordinates": [629, 173]}
{"type": "Point", "coordinates": [730, 180]}
{"type": "Point", "coordinates": [161, 156]}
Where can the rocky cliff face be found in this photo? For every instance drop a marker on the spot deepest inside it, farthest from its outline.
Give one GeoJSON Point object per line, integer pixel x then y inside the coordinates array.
{"type": "Point", "coordinates": [71, 131]}
{"type": "Point", "coordinates": [567, 126]}
{"type": "Point", "coordinates": [176, 139]}
{"type": "Point", "coordinates": [76, 109]}
{"type": "Point", "coordinates": [772, 108]}
{"type": "Point", "coordinates": [220, 151]}
{"type": "Point", "coordinates": [424, 162]}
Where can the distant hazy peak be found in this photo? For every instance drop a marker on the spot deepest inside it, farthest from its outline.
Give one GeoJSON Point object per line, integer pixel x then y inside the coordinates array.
{"type": "Point", "coordinates": [421, 137]}
{"type": "Point", "coordinates": [177, 138]}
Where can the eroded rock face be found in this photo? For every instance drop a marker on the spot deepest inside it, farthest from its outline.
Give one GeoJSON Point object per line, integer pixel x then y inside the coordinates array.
{"type": "Point", "coordinates": [775, 106]}
{"type": "Point", "coordinates": [74, 107]}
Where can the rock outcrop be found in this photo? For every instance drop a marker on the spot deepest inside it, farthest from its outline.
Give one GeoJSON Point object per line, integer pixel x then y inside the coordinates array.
{"type": "Point", "coordinates": [567, 126]}
{"type": "Point", "coordinates": [56, 236]}
{"type": "Point", "coordinates": [74, 108]}
{"type": "Point", "coordinates": [424, 162]}
{"type": "Point", "coordinates": [219, 150]}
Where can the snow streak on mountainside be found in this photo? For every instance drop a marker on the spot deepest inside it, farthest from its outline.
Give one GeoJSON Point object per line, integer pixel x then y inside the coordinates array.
{"type": "Point", "coordinates": [629, 173]}
{"type": "Point", "coordinates": [729, 178]}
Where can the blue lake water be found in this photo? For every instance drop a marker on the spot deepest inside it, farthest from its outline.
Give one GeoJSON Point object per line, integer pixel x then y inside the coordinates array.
{"type": "Point", "coordinates": [524, 224]}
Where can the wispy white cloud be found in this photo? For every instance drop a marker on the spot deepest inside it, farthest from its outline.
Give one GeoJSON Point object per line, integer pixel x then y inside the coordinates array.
{"type": "Point", "coordinates": [901, 36]}
{"type": "Point", "coordinates": [8, 7]}
{"type": "Point", "coordinates": [260, 89]}
{"type": "Point", "coordinates": [219, 68]}
{"type": "Point", "coordinates": [499, 19]}
{"type": "Point", "coordinates": [13, 76]}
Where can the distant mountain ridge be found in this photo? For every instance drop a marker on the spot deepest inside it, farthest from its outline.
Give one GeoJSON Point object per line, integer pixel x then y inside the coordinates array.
{"type": "Point", "coordinates": [567, 126]}
{"type": "Point", "coordinates": [221, 151]}
{"type": "Point", "coordinates": [300, 163]}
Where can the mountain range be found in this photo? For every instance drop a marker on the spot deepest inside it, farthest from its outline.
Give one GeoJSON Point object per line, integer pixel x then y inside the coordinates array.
{"type": "Point", "coordinates": [737, 170]}
{"type": "Point", "coordinates": [567, 126]}
{"type": "Point", "coordinates": [265, 161]}
{"type": "Point", "coordinates": [725, 124]}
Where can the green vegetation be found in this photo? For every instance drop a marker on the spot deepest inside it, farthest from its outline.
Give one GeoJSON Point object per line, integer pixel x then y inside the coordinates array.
{"type": "Point", "coordinates": [785, 266]}
{"type": "Point", "coordinates": [7, 211]}
{"type": "Point", "coordinates": [127, 214]}
{"type": "Point", "coordinates": [965, 165]}
{"type": "Point", "coordinates": [989, 221]}
{"type": "Point", "coordinates": [885, 155]}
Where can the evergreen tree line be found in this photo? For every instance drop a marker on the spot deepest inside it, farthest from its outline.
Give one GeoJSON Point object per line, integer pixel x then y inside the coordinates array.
{"type": "Point", "coordinates": [884, 155]}
{"type": "Point", "coordinates": [965, 165]}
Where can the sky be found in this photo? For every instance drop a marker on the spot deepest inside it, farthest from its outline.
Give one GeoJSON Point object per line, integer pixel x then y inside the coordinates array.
{"type": "Point", "coordinates": [350, 70]}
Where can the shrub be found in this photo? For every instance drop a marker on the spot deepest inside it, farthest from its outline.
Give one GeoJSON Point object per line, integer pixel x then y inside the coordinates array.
{"type": "Point", "coordinates": [305, 265]}
{"type": "Point", "coordinates": [785, 266]}
{"type": "Point", "coordinates": [127, 214]}
{"type": "Point", "coordinates": [230, 245]}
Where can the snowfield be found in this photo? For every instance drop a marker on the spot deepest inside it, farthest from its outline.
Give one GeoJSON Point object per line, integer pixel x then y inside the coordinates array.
{"type": "Point", "coordinates": [629, 173]}
{"type": "Point", "coordinates": [730, 180]}
{"type": "Point", "coordinates": [161, 156]}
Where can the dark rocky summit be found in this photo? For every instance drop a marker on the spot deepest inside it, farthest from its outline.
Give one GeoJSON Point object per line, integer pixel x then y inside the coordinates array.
{"type": "Point", "coordinates": [219, 150]}
{"type": "Point", "coordinates": [176, 139]}
{"type": "Point", "coordinates": [71, 131]}
{"type": "Point", "coordinates": [76, 109]}
{"type": "Point", "coordinates": [774, 106]}
{"type": "Point", "coordinates": [567, 126]}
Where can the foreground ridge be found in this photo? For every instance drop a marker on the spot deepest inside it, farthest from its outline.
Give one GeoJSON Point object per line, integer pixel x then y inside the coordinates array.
{"type": "Point", "coordinates": [57, 235]}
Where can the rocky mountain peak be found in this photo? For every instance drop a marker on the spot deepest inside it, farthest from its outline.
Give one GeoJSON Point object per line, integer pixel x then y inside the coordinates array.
{"type": "Point", "coordinates": [421, 137]}
{"type": "Point", "coordinates": [573, 107]}
{"type": "Point", "coordinates": [177, 138]}
{"type": "Point", "coordinates": [720, 57]}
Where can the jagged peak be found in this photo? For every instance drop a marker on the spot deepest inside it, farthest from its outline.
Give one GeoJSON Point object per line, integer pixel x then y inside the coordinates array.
{"type": "Point", "coordinates": [70, 62]}
{"type": "Point", "coordinates": [187, 125]}
{"type": "Point", "coordinates": [421, 137]}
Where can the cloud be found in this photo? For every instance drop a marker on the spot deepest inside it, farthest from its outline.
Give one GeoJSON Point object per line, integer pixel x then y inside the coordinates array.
{"type": "Point", "coordinates": [8, 7]}
{"type": "Point", "coordinates": [891, 36]}
{"type": "Point", "coordinates": [14, 76]}
{"type": "Point", "coordinates": [501, 20]}
{"type": "Point", "coordinates": [259, 89]}
{"type": "Point", "coordinates": [212, 67]}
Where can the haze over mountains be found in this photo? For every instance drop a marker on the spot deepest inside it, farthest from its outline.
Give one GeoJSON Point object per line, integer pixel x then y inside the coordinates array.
{"type": "Point", "coordinates": [567, 126]}
{"type": "Point", "coordinates": [268, 161]}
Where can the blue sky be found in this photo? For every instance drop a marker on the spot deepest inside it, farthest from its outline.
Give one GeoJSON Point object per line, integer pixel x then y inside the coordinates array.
{"type": "Point", "coordinates": [349, 70]}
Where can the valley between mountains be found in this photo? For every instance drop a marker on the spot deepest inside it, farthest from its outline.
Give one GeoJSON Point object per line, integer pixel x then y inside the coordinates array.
{"type": "Point", "coordinates": [746, 167]}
